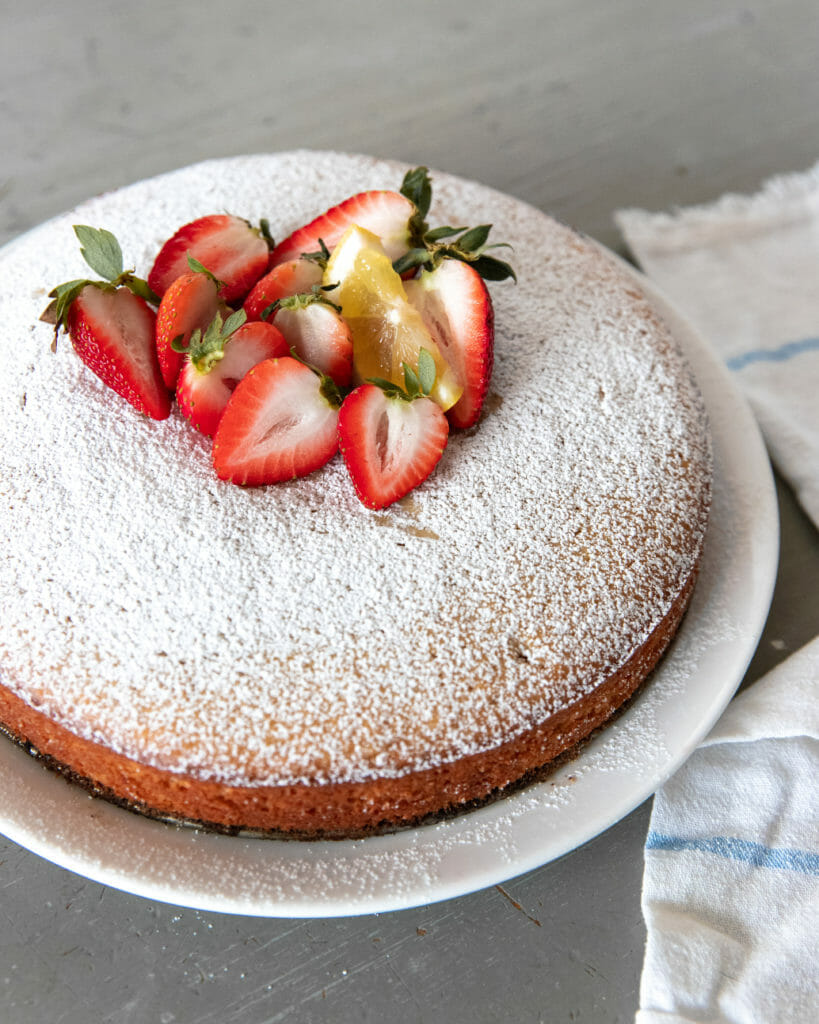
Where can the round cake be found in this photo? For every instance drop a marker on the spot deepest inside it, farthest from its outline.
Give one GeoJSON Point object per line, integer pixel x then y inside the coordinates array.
{"type": "Point", "coordinates": [283, 659]}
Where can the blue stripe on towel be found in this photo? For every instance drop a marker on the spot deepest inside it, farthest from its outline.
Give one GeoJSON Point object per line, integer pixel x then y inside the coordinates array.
{"type": "Point", "coordinates": [759, 856]}
{"type": "Point", "coordinates": [774, 355]}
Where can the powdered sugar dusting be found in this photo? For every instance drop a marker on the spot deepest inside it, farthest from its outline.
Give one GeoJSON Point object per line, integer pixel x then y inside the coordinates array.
{"type": "Point", "coordinates": [285, 634]}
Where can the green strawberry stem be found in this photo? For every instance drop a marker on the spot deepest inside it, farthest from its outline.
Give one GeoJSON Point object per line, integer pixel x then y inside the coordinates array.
{"type": "Point", "coordinates": [416, 385]}
{"type": "Point", "coordinates": [302, 300]}
{"type": "Point", "coordinates": [200, 268]}
{"type": "Point", "coordinates": [320, 257]}
{"type": "Point", "coordinates": [101, 251]}
{"type": "Point", "coordinates": [427, 247]}
{"type": "Point", "coordinates": [206, 350]}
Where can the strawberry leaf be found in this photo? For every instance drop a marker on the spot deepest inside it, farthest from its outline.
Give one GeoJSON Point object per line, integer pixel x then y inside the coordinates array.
{"type": "Point", "coordinates": [474, 238]}
{"type": "Point", "coordinates": [390, 390]}
{"type": "Point", "coordinates": [436, 234]}
{"type": "Point", "coordinates": [49, 314]}
{"type": "Point", "coordinates": [301, 300]}
{"type": "Point", "coordinates": [411, 383]}
{"type": "Point", "coordinates": [63, 295]}
{"type": "Point", "coordinates": [140, 288]}
{"type": "Point", "coordinates": [320, 257]}
{"type": "Point", "coordinates": [426, 371]}
{"type": "Point", "coordinates": [492, 269]}
{"type": "Point", "coordinates": [428, 246]}
{"type": "Point", "coordinates": [233, 322]}
{"type": "Point", "coordinates": [264, 228]}
{"type": "Point", "coordinates": [196, 266]}
{"type": "Point", "coordinates": [100, 250]}
{"type": "Point", "coordinates": [328, 389]}
{"type": "Point", "coordinates": [205, 350]}
{"type": "Point", "coordinates": [414, 258]}
{"type": "Point", "coordinates": [418, 189]}
{"type": "Point", "coordinates": [200, 268]}
{"type": "Point", "coordinates": [177, 346]}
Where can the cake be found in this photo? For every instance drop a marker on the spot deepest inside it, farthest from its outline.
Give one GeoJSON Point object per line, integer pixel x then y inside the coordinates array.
{"type": "Point", "coordinates": [284, 660]}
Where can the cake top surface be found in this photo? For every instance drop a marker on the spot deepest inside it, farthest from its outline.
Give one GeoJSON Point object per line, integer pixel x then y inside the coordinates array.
{"type": "Point", "coordinates": [286, 633]}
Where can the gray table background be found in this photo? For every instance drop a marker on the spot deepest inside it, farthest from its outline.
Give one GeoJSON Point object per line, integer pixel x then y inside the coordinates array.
{"type": "Point", "coordinates": [575, 106]}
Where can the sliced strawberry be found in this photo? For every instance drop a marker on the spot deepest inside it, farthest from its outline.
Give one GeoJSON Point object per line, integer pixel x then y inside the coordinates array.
{"type": "Point", "coordinates": [232, 250]}
{"type": "Point", "coordinates": [188, 305]}
{"type": "Point", "coordinates": [280, 423]}
{"type": "Point", "coordinates": [457, 311]}
{"type": "Point", "coordinates": [390, 443]}
{"type": "Point", "coordinates": [112, 331]}
{"type": "Point", "coordinates": [317, 334]}
{"type": "Point", "coordinates": [290, 278]}
{"type": "Point", "coordinates": [217, 361]}
{"type": "Point", "coordinates": [386, 214]}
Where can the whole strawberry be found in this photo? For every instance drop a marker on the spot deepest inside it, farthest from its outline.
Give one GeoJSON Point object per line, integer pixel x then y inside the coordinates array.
{"type": "Point", "coordinates": [235, 252]}
{"type": "Point", "coordinates": [111, 325]}
{"type": "Point", "coordinates": [188, 305]}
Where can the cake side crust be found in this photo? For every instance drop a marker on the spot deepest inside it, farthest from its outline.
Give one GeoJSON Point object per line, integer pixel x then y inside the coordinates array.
{"type": "Point", "coordinates": [338, 810]}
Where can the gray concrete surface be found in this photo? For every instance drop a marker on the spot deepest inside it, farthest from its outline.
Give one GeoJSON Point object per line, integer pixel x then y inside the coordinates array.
{"type": "Point", "coordinates": [575, 106]}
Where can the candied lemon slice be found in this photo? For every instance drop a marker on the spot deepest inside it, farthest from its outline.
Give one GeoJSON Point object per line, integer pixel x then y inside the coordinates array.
{"type": "Point", "coordinates": [387, 330]}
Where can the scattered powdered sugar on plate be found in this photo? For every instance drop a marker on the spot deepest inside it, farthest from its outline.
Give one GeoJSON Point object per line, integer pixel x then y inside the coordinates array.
{"type": "Point", "coordinates": [287, 634]}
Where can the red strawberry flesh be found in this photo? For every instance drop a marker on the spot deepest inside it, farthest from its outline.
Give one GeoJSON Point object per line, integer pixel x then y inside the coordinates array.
{"type": "Point", "coordinates": [390, 445]}
{"type": "Point", "coordinates": [457, 311]}
{"type": "Point", "coordinates": [276, 426]}
{"type": "Point", "coordinates": [112, 331]}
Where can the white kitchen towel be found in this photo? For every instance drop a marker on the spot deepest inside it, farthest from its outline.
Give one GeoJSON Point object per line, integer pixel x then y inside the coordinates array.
{"type": "Point", "coordinates": [745, 271]}
{"type": "Point", "coordinates": [731, 881]}
{"type": "Point", "coordinates": [731, 878]}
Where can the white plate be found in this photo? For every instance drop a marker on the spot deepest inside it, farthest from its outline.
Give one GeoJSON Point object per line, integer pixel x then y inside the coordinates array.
{"type": "Point", "coordinates": [613, 774]}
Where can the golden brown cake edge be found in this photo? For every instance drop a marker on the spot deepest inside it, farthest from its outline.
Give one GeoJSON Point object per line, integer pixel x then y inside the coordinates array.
{"type": "Point", "coordinates": [346, 809]}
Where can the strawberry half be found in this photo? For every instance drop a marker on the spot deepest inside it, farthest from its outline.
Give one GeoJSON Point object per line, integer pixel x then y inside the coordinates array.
{"type": "Point", "coordinates": [215, 362]}
{"type": "Point", "coordinates": [233, 251]}
{"type": "Point", "coordinates": [280, 423]}
{"type": "Point", "coordinates": [386, 214]}
{"type": "Point", "coordinates": [391, 439]}
{"type": "Point", "coordinates": [112, 331]}
{"type": "Point", "coordinates": [188, 305]}
{"type": "Point", "coordinates": [111, 325]}
{"type": "Point", "coordinates": [317, 334]}
{"type": "Point", "coordinates": [289, 278]}
{"type": "Point", "coordinates": [451, 264]}
{"type": "Point", "coordinates": [455, 306]}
